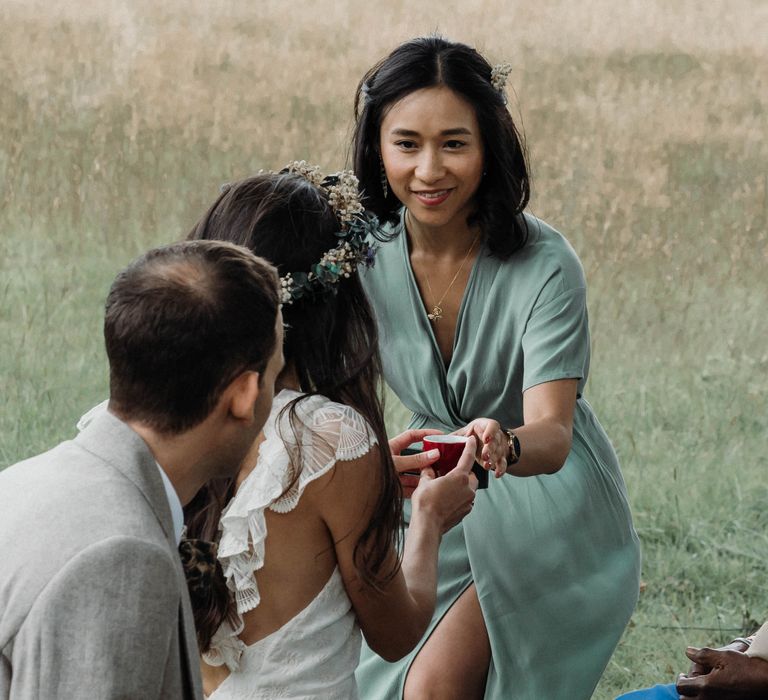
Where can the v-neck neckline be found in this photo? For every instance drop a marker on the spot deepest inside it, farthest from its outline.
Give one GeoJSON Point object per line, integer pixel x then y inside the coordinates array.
{"type": "Point", "coordinates": [444, 369]}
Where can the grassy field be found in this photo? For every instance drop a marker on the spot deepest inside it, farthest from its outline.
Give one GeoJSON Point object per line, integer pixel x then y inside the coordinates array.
{"type": "Point", "coordinates": [645, 122]}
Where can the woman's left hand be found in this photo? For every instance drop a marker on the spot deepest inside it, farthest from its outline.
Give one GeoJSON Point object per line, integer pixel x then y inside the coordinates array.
{"type": "Point", "coordinates": [493, 445]}
{"type": "Point", "coordinates": [411, 463]}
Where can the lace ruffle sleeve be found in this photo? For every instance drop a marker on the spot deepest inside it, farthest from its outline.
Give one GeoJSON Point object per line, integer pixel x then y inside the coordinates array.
{"type": "Point", "coordinates": [242, 526]}
{"type": "Point", "coordinates": [329, 433]}
{"type": "Point", "coordinates": [226, 647]}
{"type": "Point", "coordinates": [319, 433]}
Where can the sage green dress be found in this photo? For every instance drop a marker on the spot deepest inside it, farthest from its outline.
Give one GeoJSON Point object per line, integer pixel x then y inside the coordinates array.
{"type": "Point", "coordinates": [555, 558]}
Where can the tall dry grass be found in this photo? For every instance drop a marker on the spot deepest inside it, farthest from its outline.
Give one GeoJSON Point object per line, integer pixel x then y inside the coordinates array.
{"type": "Point", "coordinates": [645, 122]}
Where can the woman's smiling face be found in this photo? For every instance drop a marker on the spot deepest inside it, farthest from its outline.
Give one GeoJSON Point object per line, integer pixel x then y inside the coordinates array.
{"type": "Point", "coordinates": [433, 155]}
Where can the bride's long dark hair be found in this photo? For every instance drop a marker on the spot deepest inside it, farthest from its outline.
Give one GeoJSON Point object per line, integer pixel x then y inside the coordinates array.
{"type": "Point", "coordinates": [331, 343]}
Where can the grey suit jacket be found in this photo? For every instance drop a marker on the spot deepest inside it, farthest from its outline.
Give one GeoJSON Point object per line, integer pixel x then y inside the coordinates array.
{"type": "Point", "coordinates": [93, 601]}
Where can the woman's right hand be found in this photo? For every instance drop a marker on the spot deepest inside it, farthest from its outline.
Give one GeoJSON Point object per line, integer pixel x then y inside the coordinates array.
{"type": "Point", "coordinates": [395, 614]}
{"type": "Point", "coordinates": [447, 499]}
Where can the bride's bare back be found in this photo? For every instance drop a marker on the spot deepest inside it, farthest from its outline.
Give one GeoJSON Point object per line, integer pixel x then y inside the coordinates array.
{"type": "Point", "coordinates": [299, 559]}
{"type": "Point", "coordinates": [288, 549]}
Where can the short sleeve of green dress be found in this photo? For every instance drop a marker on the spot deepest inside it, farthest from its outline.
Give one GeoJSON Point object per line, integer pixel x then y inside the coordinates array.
{"type": "Point", "coordinates": [555, 558]}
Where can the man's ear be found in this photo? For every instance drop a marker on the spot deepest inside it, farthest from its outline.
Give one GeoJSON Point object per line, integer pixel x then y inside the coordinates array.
{"type": "Point", "coordinates": [243, 392]}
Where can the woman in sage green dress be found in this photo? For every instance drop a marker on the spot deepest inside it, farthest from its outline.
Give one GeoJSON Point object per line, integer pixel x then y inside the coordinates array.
{"type": "Point", "coordinates": [483, 330]}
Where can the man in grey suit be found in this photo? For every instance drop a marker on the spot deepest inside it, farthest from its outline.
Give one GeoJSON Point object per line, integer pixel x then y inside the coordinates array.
{"type": "Point", "coordinates": [93, 601]}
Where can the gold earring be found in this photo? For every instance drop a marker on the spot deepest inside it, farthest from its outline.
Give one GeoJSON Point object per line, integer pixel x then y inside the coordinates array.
{"type": "Point", "coordinates": [383, 176]}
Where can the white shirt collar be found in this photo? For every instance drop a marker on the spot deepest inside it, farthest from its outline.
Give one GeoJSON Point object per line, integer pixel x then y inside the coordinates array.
{"type": "Point", "coordinates": [177, 512]}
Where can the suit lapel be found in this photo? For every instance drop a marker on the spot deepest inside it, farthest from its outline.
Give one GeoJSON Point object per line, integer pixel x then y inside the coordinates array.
{"type": "Point", "coordinates": [110, 439]}
{"type": "Point", "coordinates": [107, 437]}
{"type": "Point", "coordinates": [190, 655]}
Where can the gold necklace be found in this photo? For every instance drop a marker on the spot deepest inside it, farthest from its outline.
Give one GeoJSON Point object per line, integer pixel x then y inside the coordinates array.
{"type": "Point", "coordinates": [437, 310]}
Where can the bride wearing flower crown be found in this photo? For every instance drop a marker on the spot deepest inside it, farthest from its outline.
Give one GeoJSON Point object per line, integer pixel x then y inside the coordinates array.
{"type": "Point", "coordinates": [307, 555]}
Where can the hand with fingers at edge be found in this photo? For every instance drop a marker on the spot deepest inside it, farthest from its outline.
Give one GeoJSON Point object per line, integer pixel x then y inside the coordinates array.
{"type": "Point", "coordinates": [724, 674]}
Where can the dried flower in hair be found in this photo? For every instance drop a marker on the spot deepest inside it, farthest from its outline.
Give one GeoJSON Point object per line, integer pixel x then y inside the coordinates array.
{"type": "Point", "coordinates": [307, 171]}
{"type": "Point", "coordinates": [344, 195]}
{"type": "Point", "coordinates": [357, 227]}
{"type": "Point", "coordinates": [499, 74]}
{"type": "Point", "coordinates": [364, 96]}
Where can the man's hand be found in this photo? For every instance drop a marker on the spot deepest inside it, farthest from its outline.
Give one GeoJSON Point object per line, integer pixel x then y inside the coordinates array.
{"type": "Point", "coordinates": [728, 675]}
{"type": "Point", "coordinates": [699, 670]}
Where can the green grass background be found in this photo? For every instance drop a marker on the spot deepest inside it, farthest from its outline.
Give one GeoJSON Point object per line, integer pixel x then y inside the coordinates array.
{"type": "Point", "coordinates": [646, 128]}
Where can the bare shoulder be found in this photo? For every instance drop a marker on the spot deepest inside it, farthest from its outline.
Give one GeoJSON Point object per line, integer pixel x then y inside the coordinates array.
{"type": "Point", "coordinates": [347, 492]}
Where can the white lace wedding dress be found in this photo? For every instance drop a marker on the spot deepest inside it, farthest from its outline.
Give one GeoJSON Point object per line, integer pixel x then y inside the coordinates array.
{"type": "Point", "coordinates": [314, 655]}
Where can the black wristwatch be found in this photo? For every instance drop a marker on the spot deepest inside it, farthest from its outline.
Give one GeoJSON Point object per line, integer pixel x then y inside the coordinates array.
{"type": "Point", "coordinates": [514, 447]}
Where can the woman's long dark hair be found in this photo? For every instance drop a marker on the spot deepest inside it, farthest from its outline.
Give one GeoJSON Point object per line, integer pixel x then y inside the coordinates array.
{"type": "Point", "coordinates": [331, 342]}
{"type": "Point", "coordinates": [431, 62]}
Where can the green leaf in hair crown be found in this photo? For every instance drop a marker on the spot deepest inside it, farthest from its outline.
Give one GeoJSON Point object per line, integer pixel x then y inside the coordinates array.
{"type": "Point", "coordinates": [356, 231]}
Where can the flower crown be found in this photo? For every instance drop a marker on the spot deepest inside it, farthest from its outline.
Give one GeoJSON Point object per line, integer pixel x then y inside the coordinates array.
{"type": "Point", "coordinates": [357, 228]}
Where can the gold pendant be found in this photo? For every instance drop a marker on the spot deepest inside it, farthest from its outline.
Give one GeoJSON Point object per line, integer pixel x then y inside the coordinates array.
{"type": "Point", "coordinates": [436, 315]}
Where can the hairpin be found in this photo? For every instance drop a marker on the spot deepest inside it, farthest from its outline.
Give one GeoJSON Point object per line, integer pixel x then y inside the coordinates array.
{"type": "Point", "coordinates": [499, 74]}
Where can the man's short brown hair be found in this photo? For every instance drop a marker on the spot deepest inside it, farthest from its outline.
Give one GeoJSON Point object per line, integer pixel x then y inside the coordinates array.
{"type": "Point", "coordinates": [181, 322]}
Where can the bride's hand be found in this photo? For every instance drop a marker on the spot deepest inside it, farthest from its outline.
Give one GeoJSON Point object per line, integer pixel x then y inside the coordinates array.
{"type": "Point", "coordinates": [412, 463]}
{"type": "Point", "coordinates": [448, 498]}
{"type": "Point", "coordinates": [492, 444]}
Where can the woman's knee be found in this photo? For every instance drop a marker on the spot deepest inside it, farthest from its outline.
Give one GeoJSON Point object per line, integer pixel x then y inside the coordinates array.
{"type": "Point", "coordinates": [443, 683]}
{"type": "Point", "coordinates": [421, 686]}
